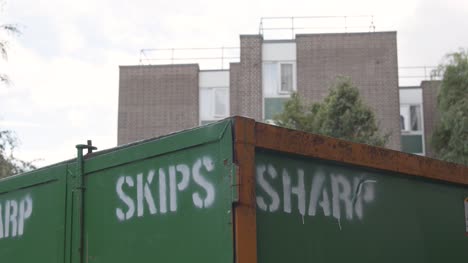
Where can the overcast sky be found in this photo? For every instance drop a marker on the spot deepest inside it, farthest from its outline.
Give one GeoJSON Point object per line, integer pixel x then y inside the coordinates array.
{"type": "Point", "coordinates": [64, 66]}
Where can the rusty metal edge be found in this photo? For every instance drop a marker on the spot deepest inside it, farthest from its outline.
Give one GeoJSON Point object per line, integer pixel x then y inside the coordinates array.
{"type": "Point", "coordinates": [317, 146]}
{"type": "Point", "coordinates": [245, 222]}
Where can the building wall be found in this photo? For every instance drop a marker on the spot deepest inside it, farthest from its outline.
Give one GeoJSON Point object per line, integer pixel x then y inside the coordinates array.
{"type": "Point", "coordinates": [156, 100]}
{"type": "Point", "coordinates": [213, 84]}
{"type": "Point", "coordinates": [234, 71]}
{"type": "Point", "coordinates": [246, 97]}
{"type": "Point", "coordinates": [430, 89]}
{"type": "Point", "coordinates": [412, 125]}
{"type": "Point", "coordinates": [213, 78]}
{"type": "Point", "coordinates": [275, 54]}
{"type": "Point", "coordinates": [370, 59]}
{"type": "Point", "coordinates": [279, 50]}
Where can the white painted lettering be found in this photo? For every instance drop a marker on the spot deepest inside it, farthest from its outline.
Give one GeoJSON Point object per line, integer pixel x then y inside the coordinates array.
{"type": "Point", "coordinates": [13, 216]}
{"type": "Point", "coordinates": [7, 219]}
{"type": "Point", "coordinates": [335, 194]}
{"type": "Point", "coordinates": [341, 190]}
{"type": "Point", "coordinates": [298, 190]}
{"type": "Point", "coordinates": [125, 198]}
{"type": "Point", "coordinates": [25, 212]}
{"type": "Point", "coordinates": [205, 184]}
{"type": "Point", "coordinates": [139, 194]}
{"type": "Point", "coordinates": [181, 186]}
{"type": "Point", "coordinates": [162, 191]}
{"type": "Point", "coordinates": [317, 185]}
{"type": "Point", "coordinates": [263, 183]}
{"type": "Point", "coordinates": [144, 194]}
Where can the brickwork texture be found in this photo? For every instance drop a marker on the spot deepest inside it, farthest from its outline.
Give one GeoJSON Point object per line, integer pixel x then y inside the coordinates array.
{"type": "Point", "coordinates": [156, 100]}
{"type": "Point", "coordinates": [234, 69]}
{"type": "Point", "coordinates": [369, 59]}
{"type": "Point", "coordinates": [430, 89]}
{"type": "Point", "coordinates": [246, 97]}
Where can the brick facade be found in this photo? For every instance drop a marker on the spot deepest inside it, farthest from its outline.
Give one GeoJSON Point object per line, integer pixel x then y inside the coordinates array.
{"type": "Point", "coordinates": [234, 69]}
{"type": "Point", "coordinates": [430, 89]}
{"type": "Point", "coordinates": [247, 95]}
{"type": "Point", "coordinates": [369, 59]}
{"type": "Point", "coordinates": [156, 100]}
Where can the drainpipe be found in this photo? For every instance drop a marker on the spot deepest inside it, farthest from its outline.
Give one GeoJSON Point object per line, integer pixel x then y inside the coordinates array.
{"type": "Point", "coordinates": [78, 193]}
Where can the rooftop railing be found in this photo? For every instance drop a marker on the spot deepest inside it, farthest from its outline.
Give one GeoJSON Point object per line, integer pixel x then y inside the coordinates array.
{"type": "Point", "coordinates": [413, 75]}
{"type": "Point", "coordinates": [288, 27]}
{"type": "Point", "coordinates": [206, 57]}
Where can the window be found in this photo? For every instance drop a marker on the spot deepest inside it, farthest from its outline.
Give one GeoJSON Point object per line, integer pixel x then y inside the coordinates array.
{"type": "Point", "coordinates": [415, 117]}
{"type": "Point", "coordinates": [412, 136]}
{"type": "Point", "coordinates": [286, 77]}
{"type": "Point", "coordinates": [273, 106]}
{"type": "Point", "coordinates": [278, 78]}
{"type": "Point", "coordinates": [270, 79]}
{"type": "Point", "coordinates": [221, 102]}
{"type": "Point", "coordinates": [214, 104]}
{"type": "Point", "coordinates": [279, 81]}
{"type": "Point", "coordinates": [410, 118]}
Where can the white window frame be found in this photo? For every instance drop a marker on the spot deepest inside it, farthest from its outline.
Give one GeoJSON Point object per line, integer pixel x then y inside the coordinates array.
{"type": "Point", "coordinates": [220, 116]}
{"type": "Point", "coordinates": [214, 117]}
{"type": "Point", "coordinates": [279, 92]}
{"type": "Point", "coordinates": [294, 81]}
{"type": "Point", "coordinates": [408, 131]}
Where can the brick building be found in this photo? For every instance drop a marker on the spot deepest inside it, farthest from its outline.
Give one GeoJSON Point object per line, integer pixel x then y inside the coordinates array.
{"type": "Point", "coordinates": [159, 99]}
{"type": "Point", "coordinates": [418, 116]}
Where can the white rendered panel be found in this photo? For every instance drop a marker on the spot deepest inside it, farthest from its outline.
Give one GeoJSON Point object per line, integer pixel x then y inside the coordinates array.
{"type": "Point", "coordinates": [411, 96]}
{"type": "Point", "coordinates": [279, 51]}
{"type": "Point", "coordinates": [212, 79]}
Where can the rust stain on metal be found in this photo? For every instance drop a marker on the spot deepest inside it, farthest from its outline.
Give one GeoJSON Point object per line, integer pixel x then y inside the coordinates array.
{"type": "Point", "coordinates": [245, 210]}
{"type": "Point", "coordinates": [323, 147]}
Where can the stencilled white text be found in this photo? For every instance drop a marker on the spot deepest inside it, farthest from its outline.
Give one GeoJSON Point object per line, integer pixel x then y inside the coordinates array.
{"type": "Point", "coordinates": [330, 195]}
{"type": "Point", "coordinates": [13, 216]}
{"type": "Point", "coordinates": [157, 191]}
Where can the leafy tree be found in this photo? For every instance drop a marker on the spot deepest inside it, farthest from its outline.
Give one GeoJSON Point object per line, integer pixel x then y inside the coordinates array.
{"type": "Point", "coordinates": [342, 115]}
{"type": "Point", "coordinates": [6, 29]}
{"type": "Point", "coordinates": [9, 164]}
{"type": "Point", "coordinates": [450, 137]}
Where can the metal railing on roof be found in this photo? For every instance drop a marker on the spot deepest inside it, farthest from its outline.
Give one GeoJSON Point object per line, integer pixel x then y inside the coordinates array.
{"type": "Point", "coordinates": [205, 56]}
{"type": "Point", "coordinates": [315, 24]}
{"type": "Point", "coordinates": [413, 75]}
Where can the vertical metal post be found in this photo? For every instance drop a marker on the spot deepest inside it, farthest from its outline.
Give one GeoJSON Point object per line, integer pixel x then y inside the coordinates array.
{"type": "Point", "coordinates": [222, 57]}
{"type": "Point", "coordinates": [78, 189]}
{"type": "Point", "coordinates": [372, 26]}
{"type": "Point", "coordinates": [172, 56]}
{"type": "Point", "coordinates": [260, 28]}
{"type": "Point", "coordinates": [292, 27]}
{"type": "Point", "coordinates": [345, 24]}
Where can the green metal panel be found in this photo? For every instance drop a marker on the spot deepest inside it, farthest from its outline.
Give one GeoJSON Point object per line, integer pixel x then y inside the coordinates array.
{"type": "Point", "coordinates": [412, 143]}
{"type": "Point", "coordinates": [311, 210]}
{"type": "Point", "coordinates": [167, 200]}
{"type": "Point", "coordinates": [274, 106]}
{"type": "Point", "coordinates": [32, 216]}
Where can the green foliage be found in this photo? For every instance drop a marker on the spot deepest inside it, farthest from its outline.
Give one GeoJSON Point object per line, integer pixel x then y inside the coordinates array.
{"type": "Point", "coordinates": [342, 115]}
{"type": "Point", "coordinates": [8, 29]}
{"type": "Point", "coordinates": [450, 137]}
{"type": "Point", "coordinates": [10, 165]}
